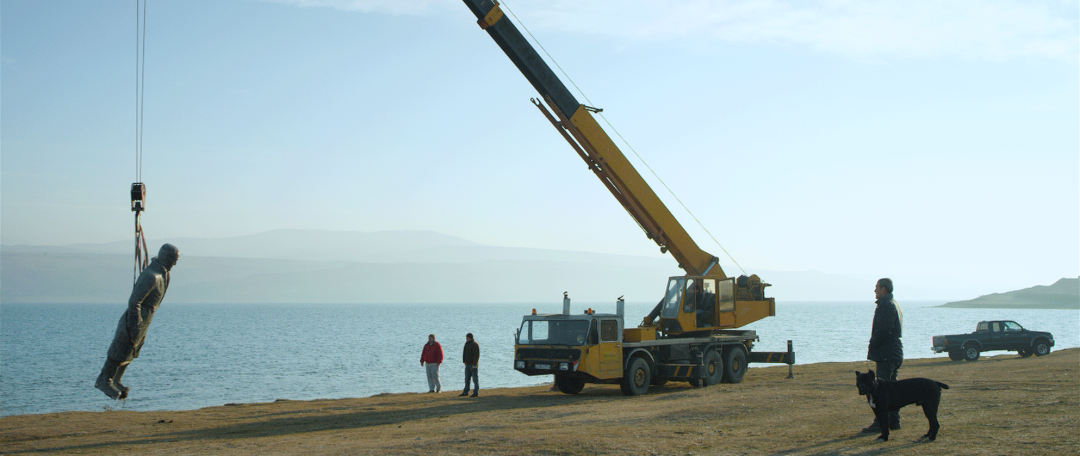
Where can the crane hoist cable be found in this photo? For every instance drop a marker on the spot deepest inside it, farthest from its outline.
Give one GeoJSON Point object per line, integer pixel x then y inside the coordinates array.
{"type": "Point", "coordinates": [600, 113]}
{"type": "Point", "coordinates": [138, 189]}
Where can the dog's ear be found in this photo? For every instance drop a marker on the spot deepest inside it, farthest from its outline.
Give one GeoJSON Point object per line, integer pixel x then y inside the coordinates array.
{"type": "Point", "coordinates": [857, 374]}
{"type": "Point", "coordinates": [871, 373]}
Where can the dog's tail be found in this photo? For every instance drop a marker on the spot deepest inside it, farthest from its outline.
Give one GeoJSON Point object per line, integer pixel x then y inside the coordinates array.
{"type": "Point", "coordinates": [942, 385]}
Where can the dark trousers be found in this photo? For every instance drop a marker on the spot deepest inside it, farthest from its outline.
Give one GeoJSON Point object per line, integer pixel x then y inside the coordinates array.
{"type": "Point", "coordinates": [886, 370]}
{"type": "Point", "coordinates": [470, 374]}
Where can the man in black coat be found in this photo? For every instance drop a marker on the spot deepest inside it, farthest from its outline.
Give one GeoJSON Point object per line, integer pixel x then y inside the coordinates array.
{"type": "Point", "coordinates": [131, 331]}
{"type": "Point", "coordinates": [471, 356]}
{"type": "Point", "coordinates": [886, 348]}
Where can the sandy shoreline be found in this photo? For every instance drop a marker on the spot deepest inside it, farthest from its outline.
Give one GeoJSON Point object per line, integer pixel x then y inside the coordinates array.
{"type": "Point", "coordinates": [997, 405]}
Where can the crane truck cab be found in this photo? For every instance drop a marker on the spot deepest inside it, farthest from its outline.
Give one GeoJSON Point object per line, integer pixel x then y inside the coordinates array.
{"type": "Point", "coordinates": [577, 349]}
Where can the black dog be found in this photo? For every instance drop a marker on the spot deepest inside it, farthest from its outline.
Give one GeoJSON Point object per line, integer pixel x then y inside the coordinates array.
{"type": "Point", "coordinates": [885, 396]}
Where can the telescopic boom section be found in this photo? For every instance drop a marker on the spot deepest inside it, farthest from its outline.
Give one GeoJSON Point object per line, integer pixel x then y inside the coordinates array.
{"type": "Point", "coordinates": [577, 125]}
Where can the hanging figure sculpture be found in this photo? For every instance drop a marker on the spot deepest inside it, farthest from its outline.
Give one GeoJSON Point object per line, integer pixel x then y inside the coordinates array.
{"type": "Point", "coordinates": [131, 331]}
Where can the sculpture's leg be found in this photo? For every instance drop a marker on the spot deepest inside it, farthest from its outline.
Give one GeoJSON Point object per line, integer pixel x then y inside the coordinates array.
{"type": "Point", "coordinates": [105, 379]}
{"type": "Point", "coordinates": [116, 380]}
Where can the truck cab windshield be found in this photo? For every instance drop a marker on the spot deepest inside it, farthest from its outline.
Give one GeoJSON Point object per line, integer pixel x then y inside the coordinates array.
{"type": "Point", "coordinates": [553, 332]}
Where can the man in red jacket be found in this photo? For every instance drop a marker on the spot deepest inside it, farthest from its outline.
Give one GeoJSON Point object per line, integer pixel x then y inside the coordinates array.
{"type": "Point", "coordinates": [432, 355]}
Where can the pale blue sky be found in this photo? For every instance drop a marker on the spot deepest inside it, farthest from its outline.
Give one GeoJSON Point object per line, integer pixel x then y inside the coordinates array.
{"type": "Point", "coordinates": [917, 138]}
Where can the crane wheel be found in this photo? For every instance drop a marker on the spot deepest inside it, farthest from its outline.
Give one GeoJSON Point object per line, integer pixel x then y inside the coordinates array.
{"type": "Point", "coordinates": [637, 378]}
{"type": "Point", "coordinates": [714, 367]}
{"type": "Point", "coordinates": [569, 384]}
{"type": "Point", "coordinates": [735, 365]}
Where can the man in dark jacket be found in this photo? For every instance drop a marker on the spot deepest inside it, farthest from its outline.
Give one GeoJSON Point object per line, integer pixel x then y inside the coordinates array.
{"type": "Point", "coordinates": [131, 331]}
{"type": "Point", "coordinates": [471, 356]}
{"type": "Point", "coordinates": [886, 348]}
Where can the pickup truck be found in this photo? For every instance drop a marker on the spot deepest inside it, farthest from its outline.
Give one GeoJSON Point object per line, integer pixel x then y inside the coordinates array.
{"type": "Point", "coordinates": [994, 335]}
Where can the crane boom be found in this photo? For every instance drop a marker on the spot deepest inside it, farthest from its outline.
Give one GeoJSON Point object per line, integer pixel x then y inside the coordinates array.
{"type": "Point", "coordinates": [703, 301]}
{"type": "Point", "coordinates": [579, 127]}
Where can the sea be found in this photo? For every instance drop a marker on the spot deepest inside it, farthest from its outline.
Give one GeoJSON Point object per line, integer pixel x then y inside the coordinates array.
{"type": "Point", "coordinates": [201, 355]}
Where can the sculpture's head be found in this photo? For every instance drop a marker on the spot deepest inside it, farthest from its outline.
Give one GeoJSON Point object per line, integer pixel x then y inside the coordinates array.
{"type": "Point", "coordinates": [167, 255]}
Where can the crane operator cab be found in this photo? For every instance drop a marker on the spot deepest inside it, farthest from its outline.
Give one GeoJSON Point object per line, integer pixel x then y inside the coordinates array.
{"type": "Point", "coordinates": [694, 304]}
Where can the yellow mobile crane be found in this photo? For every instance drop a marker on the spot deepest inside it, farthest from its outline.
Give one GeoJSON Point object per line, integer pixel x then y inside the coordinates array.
{"type": "Point", "coordinates": [693, 340]}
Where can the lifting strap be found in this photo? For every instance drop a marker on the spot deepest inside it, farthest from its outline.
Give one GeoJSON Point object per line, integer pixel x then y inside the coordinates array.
{"type": "Point", "coordinates": [142, 257]}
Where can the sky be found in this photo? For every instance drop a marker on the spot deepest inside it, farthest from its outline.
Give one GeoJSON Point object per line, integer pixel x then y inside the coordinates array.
{"type": "Point", "coordinates": [887, 138]}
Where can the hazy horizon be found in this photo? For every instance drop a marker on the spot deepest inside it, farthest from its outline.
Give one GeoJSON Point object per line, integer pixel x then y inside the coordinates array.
{"type": "Point", "coordinates": [403, 266]}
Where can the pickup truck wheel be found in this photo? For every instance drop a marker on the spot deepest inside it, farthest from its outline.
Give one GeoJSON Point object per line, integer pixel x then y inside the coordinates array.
{"type": "Point", "coordinates": [971, 352]}
{"type": "Point", "coordinates": [638, 376]}
{"type": "Point", "coordinates": [1041, 347]}
{"type": "Point", "coordinates": [735, 365]}
{"type": "Point", "coordinates": [956, 355]}
{"type": "Point", "coordinates": [1025, 352]}
{"type": "Point", "coordinates": [714, 368]}
{"type": "Point", "coordinates": [569, 384]}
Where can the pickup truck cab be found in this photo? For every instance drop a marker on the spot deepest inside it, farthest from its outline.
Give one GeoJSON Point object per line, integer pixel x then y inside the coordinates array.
{"type": "Point", "coordinates": [994, 335]}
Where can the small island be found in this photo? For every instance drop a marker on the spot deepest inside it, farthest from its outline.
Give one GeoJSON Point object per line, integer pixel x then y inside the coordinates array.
{"type": "Point", "coordinates": [1063, 294]}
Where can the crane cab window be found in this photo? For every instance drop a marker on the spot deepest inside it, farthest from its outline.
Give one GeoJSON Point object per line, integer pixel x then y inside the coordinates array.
{"type": "Point", "coordinates": [673, 297]}
{"type": "Point", "coordinates": [706, 304]}
{"type": "Point", "coordinates": [555, 332]}
{"type": "Point", "coordinates": [692, 295]}
{"type": "Point", "coordinates": [700, 295]}
{"type": "Point", "coordinates": [727, 295]}
{"type": "Point", "coordinates": [609, 330]}
{"type": "Point", "coordinates": [532, 331]}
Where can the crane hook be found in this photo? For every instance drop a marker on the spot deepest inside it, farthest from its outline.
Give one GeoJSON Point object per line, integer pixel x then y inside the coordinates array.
{"type": "Point", "coordinates": [138, 204]}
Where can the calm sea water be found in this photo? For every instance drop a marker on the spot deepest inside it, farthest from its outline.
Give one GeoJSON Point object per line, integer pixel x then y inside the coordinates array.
{"type": "Point", "coordinates": [200, 355]}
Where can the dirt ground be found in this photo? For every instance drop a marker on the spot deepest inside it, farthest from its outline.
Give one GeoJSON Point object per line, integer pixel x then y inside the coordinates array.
{"type": "Point", "coordinates": [999, 405]}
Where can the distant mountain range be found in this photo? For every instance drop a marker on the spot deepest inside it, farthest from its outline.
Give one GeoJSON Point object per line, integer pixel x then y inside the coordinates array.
{"type": "Point", "coordinates": [391, 266]}
{"type": "Point", "coordinates": [1063, 294]}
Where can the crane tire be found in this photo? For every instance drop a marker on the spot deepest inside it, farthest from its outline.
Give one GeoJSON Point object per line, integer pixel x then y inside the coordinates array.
{"type": "Point", "coordinates": [735, 365]}
{"type": "Point", "coordinates": [569, 384]}
{"type": "Point", "coordinates": [714, 367]}
{"type": "Point", "coordinates": [637, 378]}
